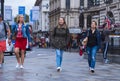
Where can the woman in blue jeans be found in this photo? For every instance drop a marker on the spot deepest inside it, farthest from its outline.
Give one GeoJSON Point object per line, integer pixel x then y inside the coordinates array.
{"type": "Point", "coordinates": [60, 38]}
{"type": "Point", "coordinates": [93, 45]}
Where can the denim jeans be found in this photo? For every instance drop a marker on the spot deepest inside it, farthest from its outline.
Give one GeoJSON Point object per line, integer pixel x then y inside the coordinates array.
{"type": "Point", "coordinates": [59, 56]}
{"type": "Point", "coordinates": [105, 50]}
{"type": "Point", "coordinates": [92, 56]}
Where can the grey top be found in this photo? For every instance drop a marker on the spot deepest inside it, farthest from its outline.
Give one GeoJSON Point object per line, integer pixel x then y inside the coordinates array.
{"type": "Point", "coordinates": [106, 32]}
{"type": "Point", "coordinates": [2, 31]}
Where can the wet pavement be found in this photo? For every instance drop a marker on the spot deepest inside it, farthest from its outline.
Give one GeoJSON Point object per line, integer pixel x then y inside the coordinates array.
{"type": "Point", "coordinates": [40, 66]}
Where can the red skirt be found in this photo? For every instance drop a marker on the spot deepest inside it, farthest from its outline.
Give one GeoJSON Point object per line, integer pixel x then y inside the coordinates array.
{"type": "Point", "coordinates": [21, 43]}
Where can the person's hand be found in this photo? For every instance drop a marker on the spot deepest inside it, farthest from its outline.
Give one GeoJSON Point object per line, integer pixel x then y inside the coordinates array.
{"type": "Point", "coordinates": [100, 50]}
{"type": "Point", "coordinates": [30, 44]}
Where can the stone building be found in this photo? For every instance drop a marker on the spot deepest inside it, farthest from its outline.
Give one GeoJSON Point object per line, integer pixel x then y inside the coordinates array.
{"type": "Point", "coordinates": [98, 10]}
{"type": "Point", "coordinates": [64, 8]}
{"type": "Point", "coordinates": [43, 15]}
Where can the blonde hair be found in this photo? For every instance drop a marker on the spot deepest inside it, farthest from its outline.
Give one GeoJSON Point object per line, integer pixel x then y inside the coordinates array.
{"type": "Point", "coordinates": [18, 18]}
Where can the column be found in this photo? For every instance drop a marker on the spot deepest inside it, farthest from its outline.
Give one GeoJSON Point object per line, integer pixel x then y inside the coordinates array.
{"type": "Point", "coordinates": [85, 20]}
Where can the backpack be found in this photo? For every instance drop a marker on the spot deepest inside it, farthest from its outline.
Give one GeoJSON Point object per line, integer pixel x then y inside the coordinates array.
{"type": "Point", "coordinates": [5, 28]}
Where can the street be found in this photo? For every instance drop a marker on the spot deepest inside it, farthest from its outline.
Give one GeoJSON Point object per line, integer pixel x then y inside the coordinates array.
{"type": "Point", "coordinates": [40, 65]}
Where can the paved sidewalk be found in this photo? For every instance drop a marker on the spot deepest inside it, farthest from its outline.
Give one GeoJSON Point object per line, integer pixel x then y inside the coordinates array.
{"type": "Point", "coordinates": [40, 66]}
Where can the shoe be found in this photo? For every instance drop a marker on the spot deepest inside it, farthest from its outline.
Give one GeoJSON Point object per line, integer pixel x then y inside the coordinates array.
{"type": "Point", "coordinates": [59, 69]}
{"type": "Point", "coordinates": [106, 61]}
{"type": "Point", "coordinates": [92, 70]}
{"type": "Point", "coordinates": [22, 67]}
{"type": "Point", "coordinates": [18, 65]}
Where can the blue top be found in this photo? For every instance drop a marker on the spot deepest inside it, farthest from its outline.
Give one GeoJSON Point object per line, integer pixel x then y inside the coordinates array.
{"type": "Point", "coordinates": [25, 31]}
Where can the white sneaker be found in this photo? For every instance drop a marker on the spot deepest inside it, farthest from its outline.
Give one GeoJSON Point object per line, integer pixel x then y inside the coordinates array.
{"type": "Point", "coordinates": [22, 67]}
{"type": "Point", "coordinates": [18, 65]}
{"type": "Point", "coordinates": [59, 69]}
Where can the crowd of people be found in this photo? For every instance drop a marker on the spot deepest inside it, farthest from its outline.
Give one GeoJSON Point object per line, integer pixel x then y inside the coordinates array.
{"type": "Point", "coordinates": [91, 40]}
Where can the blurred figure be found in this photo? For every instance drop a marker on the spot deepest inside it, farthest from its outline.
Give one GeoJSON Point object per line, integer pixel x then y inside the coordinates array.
{"type": "Point", "coordinates": [4, 33]}
{"type": "Point", "coordinates": [47, 42]}
{"type": "Point", "coordinates": [105, 42]}
{"type": "Point", "coordinates": [60, 39]}
{"type": "Point", "coordinates": [21, 32]}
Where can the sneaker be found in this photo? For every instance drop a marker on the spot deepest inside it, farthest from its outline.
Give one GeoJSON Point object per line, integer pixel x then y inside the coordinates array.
{"type": "Point", "coordinates": [92, 70]}
{"type": "Point", "coordinates": [22, 67]}
{"type": "Point", "coordinates": [106, 61]}
{"type": "Point", "coordinates": [18, 65]}
{"type": "Point", "coordinates": [59, 69]}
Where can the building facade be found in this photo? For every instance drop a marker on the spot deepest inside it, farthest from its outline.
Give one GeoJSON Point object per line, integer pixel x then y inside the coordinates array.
{"type": "Point", "coordinates": [43, 15]}
{"type": "Point", "coordinates": [99, 10]}
{"type": "Point", "coordinates": [69, 9]}
{"type": "Point", "coordinates": [102, 11]}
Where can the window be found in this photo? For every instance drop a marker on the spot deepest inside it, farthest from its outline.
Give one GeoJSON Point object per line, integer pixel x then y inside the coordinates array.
{"type": "Point", "coordinates": [108, 1]}
{"type": "Point", "coordinates": [67, 4]}
{"type": "Point", "coordinates": [92, 3]}
{"type": "Point", "coordinates": [82, 3]}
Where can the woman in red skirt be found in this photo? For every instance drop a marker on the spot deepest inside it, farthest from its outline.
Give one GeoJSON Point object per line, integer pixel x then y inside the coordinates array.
{"type": "Point", "coordinates": [21, 33]}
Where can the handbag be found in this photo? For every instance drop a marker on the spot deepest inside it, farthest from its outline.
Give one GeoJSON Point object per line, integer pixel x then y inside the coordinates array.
{"type": "Point", "coordinates": [80, 52]}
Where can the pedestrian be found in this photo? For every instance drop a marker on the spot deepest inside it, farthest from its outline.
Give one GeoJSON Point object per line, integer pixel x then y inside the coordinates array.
{"type": "Point", "coordinates": [105, 42]}
{"type": "Point", "coordinates": [4, 34]}
{"type": "Point", "coordinates": [60, 39]}
{"type": "Point", "coordinates": [93, 44]}
{"type": "Point", "coordinates": [21, 33]}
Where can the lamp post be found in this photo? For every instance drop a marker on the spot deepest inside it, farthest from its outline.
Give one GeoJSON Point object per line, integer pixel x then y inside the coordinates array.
{"type": "Point", "coordinates": [2, 7]}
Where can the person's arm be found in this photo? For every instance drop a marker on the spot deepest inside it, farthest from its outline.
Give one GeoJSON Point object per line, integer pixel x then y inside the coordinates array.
{"type": "Point", "coordinates": [28, 33]}
{"type": "Point", "coordinates": [99, 40]}
{"type": "Point", "coordinates": [8, 31]}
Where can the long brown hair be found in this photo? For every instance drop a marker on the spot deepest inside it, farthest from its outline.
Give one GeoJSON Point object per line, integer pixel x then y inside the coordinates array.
{"type": "Point", "coordinates": [64, 24]}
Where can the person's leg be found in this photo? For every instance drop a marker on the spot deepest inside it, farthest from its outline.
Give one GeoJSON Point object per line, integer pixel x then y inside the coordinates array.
{"type": "Point", "coordinates": [22, 58]}
{"type": "Point", "coordinates": [17, 55]}
{"type": "Point", "coordinates": [61, 56]}
{"type": "Point", "coordinates": [58, 57]}
{"type": "Point", "coordinates": [93, 59]}
{"type": "Point", "coordinates": [105, 52]}
{"type": "Point", "coordinates": [1, 57]}
{"type": "Point", "coordinates": [89, 56]}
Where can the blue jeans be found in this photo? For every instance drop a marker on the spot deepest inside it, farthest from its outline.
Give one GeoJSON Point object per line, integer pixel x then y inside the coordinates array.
{"type": "Point", "coordinates": [59, 56]}
{"type": "Point", "coordinates": [92, 56]}
{"type": "Point", "coordinates": [105, 50]}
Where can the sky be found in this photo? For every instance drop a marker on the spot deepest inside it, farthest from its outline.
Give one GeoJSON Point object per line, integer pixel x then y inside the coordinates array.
{"type": "Point", "coordinates": [15, 3]}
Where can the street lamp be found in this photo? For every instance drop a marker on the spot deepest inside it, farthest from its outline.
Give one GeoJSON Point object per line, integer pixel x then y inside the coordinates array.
{"type": "Point", "coordinates": [2, 7]}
